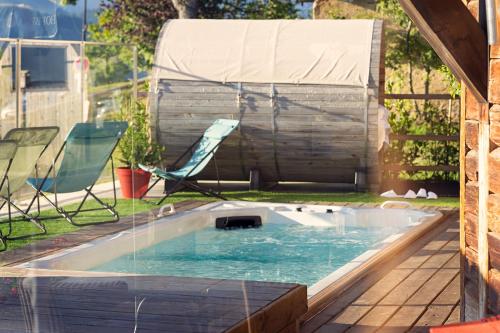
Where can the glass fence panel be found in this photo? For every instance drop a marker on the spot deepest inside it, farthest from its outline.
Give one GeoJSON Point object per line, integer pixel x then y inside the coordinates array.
{"type": "Point", "coordinates": [110, 70]}
{"type": "Point", "coordinates": [8, 98]}
{"type": "Point", "coordinates": [109, 91]}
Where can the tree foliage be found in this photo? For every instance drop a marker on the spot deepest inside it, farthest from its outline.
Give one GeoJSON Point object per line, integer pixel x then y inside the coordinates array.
{"type": "Point", "coordinates": [407, 53]}
{"type": "Point", "coordinates": [140, 21]}
{"type": "Point", "coordinates": [271, 9]}
{"type": "Point", "coordinates": [133, 22]}
{"type": "Point", "coordinates": [68, 2]}
{"type": "Point", "coordinates": [136, 146]}
{"type": "Point", "coordinates": [407, 46]}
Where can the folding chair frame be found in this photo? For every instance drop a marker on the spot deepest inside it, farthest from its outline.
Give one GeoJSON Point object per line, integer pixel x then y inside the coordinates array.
{"type": "Point", "coordinates": [70, 215]}
{"type": "Point", "coordinates": [23, 213]}
{"type": "Point", "coordinates": [183, 183]}
{"type": "Point", "coordinates": [5, 179]}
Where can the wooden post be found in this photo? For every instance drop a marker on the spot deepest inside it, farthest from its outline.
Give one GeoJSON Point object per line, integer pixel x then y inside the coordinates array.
{"type": "Point", "coordinates": [462, 202]}
{"type": "Point", "coordinates": [482, 232]}
{"type": "Point", "coordinates": [454, 40]}
{"type": "Point", "coordinates": [255, 180]}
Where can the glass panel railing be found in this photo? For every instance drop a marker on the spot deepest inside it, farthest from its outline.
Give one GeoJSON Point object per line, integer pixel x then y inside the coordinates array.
{"type": "Point", "coordinates": [60, 83]}
{"type": "Point", "coordinates": [8, 98]}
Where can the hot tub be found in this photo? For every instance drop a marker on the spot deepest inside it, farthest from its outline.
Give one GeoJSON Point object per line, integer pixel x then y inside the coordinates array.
{"type": "Point", "coordinates": [314, 245]}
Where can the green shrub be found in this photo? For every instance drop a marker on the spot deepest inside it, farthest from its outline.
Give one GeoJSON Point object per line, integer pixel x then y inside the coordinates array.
{"type": "Point", "coordinates": [137, 147]}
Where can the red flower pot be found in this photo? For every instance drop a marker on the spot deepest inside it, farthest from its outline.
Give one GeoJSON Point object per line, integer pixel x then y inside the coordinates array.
{"type": "Point", "coordinates": [133, 182]}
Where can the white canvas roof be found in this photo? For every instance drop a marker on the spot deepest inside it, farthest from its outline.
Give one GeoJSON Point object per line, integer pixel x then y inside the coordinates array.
{"type": "Point", "coordinates": [266, 51]}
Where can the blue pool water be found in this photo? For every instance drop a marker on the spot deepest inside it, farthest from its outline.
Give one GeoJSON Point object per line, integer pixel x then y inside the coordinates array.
{"type": "Point", "coordinates": [274, 252]}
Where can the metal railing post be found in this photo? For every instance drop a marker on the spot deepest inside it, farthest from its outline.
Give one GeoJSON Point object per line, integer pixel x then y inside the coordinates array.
{"type": "Point", "coordinates": [135, 78]}
{"type": "Point", "coordinates": [82, 80]}
{"type": "Point", "coordinates": [19, 96]}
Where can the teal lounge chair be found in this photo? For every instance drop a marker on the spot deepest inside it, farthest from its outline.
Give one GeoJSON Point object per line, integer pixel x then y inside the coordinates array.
{"type": "Point", "coordinates": [31, 143]}
{"type": "Point", "coordinates": [206, 147]}
{"type": "Point", "coordinates": [85, 153]}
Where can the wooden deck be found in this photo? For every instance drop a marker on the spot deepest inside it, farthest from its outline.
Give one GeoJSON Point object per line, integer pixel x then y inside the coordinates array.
{"type": "Point", "coordinates": [418, 293]}
{"type": "Point", "coordinates": [149, 304]}
{"type": "Point", "coordinates": [412, 291]}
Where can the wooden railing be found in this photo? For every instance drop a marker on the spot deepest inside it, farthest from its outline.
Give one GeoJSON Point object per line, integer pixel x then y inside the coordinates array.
{"type": "Point", "coordinates": [425, 137]}
{"type": "Point", "coordinates": [428, 97]}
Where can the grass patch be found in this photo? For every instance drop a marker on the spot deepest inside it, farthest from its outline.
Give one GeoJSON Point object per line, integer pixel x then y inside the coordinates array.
{"type": "Point", "coordinates": [55, 227]}
{"type": "Point", "coordinates": [126, 208]}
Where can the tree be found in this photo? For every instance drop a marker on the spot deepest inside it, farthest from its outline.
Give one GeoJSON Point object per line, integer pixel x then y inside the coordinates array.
{"type": "Point", "coordinates": [408, 54]}
{"type": "Point", "coordinates": [271, 9]}
{"type": "Point", "coordinates": [186, 8]}
{"type": "Point", "coordinates": [252, 9]}
{"type": "Point", "coordinates": [140, 21]}
{"type": "Point", "coordinates": [133, 22]}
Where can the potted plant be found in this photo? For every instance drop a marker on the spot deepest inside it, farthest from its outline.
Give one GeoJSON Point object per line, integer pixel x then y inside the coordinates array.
{"type": "Point", "coordinates": [136, 147]}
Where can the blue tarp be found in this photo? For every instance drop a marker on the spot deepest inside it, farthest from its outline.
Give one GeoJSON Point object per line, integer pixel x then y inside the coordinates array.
{"type": "Point", "coordinates": [28, 19]}
{"type": "Point", "coordinates": [43, 19]}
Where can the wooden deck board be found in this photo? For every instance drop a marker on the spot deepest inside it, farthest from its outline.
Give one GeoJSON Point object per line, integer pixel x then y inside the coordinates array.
{"type": "Point", "coordinates": [153, 303]}
{"type": "Point", "coordinates": [383, 287]}
{"type": "Point", "coordinates": [454, 316]}
{"type": "Point", "coordinates": [450, 295]}
{"type": "Point", "coordinates": [420, 292]}
{"type": "Point", "coordinates": [403, 318]}
{"type": "Point", "coordinates": [375, 318]}
{"type": "Point", "coordinates": [433, 287]}
{"type": "Point", "coordinates": [346, 319]}
{"type": "Point", "coordinates": [435, 315]}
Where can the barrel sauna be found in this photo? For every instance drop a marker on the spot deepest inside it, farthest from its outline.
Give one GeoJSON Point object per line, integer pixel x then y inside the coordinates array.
{"type": "Point", "coordinates": [306, 92]}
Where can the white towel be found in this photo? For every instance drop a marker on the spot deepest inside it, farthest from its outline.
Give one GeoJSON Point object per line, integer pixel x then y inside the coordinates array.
{"type": "Point", "coordinates": [390, 194]}
{"type": "Point", "coordinates": [422, 193]}
{"type": "Point", "coordinates": [410, 195]}
{"type": "Point", "coordinates": [432, 195]}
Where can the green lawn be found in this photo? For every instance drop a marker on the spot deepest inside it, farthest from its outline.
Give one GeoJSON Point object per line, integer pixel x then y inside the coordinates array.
{"type": "Point", "coordinates": [60, 226]}
{"type": "Point", "coordinates": [130, 207]}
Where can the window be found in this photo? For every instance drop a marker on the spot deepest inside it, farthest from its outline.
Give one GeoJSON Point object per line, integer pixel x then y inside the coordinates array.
{"type": "Point", "coordinates": [43, 67]}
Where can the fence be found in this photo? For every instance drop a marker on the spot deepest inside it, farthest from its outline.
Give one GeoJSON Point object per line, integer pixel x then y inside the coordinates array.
{"type": "Point", "coordinates": [392, 170]}
{"type": "Point", "coordinates": [60, 83]}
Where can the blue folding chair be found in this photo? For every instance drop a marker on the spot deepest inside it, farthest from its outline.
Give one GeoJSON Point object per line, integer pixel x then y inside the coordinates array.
{"type": "Point", "coordinates": [85, 153]}
{"type": "Point", "coordinates": [206, 147]}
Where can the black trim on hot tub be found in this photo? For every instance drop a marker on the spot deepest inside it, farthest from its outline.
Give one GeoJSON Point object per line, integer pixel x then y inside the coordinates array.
{"type": "Point", "coordinates": [238, 222]}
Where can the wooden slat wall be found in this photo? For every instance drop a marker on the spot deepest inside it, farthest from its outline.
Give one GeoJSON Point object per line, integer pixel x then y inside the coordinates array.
{"type": "Point", "coordinates": [481, 207]}
{"type": "Point", "coordinates": [289, 132]}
